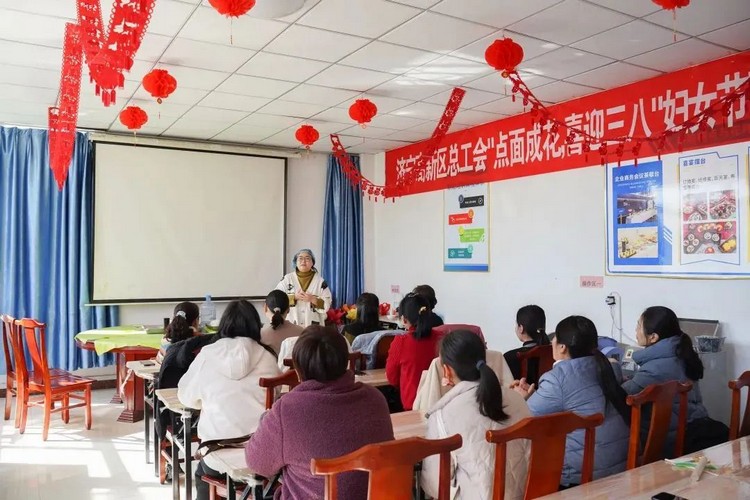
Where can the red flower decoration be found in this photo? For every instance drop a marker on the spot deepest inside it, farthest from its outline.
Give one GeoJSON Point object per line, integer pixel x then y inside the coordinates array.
{"type": "Point", "coordinates": [307, 135]}
{"type": "Point", "coordinates": [335, 316]}
{"type": "Point", "coordinates": [159, 83]}
{"type": "Point", "coordinates": [671, 4]}
{"type": "Point", "coordinates": [362, 111]}
{"type": "Point", "coordinates": [504, 55]}
{"type": "Point", "coordinates": [232, 8]}
{"type": "Point", "coordinates": [133, 117]}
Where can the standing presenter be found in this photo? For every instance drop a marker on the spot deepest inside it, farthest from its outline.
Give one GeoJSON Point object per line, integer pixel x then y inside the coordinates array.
{"type": "Point", "coordinates": [309, 295]}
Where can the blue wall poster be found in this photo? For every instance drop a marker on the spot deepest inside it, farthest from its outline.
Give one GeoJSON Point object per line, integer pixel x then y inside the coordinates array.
{"type": "Point", "coordinates": [466, 228]}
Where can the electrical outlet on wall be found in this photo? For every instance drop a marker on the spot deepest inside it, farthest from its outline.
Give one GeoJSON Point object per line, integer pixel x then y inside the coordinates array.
{"type": "Point", "coordinates": [611, 300]}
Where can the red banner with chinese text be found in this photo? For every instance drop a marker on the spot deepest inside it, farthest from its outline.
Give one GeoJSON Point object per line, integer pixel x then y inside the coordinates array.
{"type": "Point", "coordinates": [517, 147]}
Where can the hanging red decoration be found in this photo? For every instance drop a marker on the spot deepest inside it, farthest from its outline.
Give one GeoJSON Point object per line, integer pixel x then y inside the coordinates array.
{"type": "Point", "coordinates": [504, 55]}
{"type": "Point", "coordinates": [307, 135]}
{"type": "Point", "coordinates": [362, 111]}
{"type": "Point", "coordinates": [159, 83]}
{"type": "Point", "coordinates": [232, 8]}
{"type": "Point", "coordinates": [133, 117]}
{"type": "Point", "coordinates": [671, 4]}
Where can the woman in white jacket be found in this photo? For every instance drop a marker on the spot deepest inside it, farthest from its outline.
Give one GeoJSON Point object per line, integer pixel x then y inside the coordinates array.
{"type": "Point", "coordinates": [222, 382]}
{"type": "Point", "coordinates": [476, 403]}
{"type": "Point", "coordinates": [308, 292]}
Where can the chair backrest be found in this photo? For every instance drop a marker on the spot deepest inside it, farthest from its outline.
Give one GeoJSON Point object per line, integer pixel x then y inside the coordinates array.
{"type": "Point", "coordinates": [9, 333]}
{"type": "Point", "coordinates": [737, 430]}
{"type": "Point", "coordinates": [661, 398]}
{"type": "Point", "coordinates": [443, 330]}
{"type": "Point", "coordinates": [547, 435]}
{"type": "Point", "coordinates": [33, 339]}
{"type": "Point", "coordinates": [542, 356]}
{"type": "Point", "coordinates": [354, 357]}
{"type": "Point", "coordinates": [270, 384]}
{"type": "Point", "coordinates": [381, 350]}
{"type": "Point", "coordinates": [391, 466]}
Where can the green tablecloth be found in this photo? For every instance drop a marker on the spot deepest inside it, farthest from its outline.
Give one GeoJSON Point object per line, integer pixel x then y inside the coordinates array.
{"type": "Point", "coordinates": [106, 339]}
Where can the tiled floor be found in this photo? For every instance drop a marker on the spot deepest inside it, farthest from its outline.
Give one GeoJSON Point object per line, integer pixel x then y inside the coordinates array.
{"type": "Point", "coordinates": [104, 463]}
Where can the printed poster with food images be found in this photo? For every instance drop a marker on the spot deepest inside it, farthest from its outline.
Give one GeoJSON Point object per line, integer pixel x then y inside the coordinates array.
{"type": "Point", "coordinates": [686, 216]}
{"type": "Point", "coordinates": [466, 231]}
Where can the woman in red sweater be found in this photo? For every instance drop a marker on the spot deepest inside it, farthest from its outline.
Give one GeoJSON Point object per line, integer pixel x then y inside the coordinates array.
{"type": "Point", "coordinates": [412, 353]}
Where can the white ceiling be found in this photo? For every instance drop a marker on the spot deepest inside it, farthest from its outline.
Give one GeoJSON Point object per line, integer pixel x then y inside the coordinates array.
{"type": "Point", "coordinates": [405, 55]}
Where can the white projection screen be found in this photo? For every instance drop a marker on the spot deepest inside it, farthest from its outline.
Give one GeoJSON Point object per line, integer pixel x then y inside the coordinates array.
{"type": "Point", "coordinates": [175, 224]}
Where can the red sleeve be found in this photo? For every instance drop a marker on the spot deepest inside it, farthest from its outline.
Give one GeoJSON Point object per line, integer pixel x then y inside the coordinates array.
{"type": "Point", "coordinates": [264, 452]}
{"type": "Point", "coordinates": [393, 362]}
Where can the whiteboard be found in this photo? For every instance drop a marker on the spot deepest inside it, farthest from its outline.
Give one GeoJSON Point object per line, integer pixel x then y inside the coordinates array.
{"type": "Point", "coordinates": [176, 224]}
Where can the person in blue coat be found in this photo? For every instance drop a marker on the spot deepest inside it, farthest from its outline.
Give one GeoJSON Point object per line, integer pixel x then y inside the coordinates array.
{"type": "Point", "coordinates": [669, 355]}
{"type": "Point", "coordinates": [582, 381]}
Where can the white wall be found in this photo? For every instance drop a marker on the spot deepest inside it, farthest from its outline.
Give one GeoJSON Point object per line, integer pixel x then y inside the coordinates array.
{"type": "Point", "coordinates": [306, 186]}
{"type": "Point", "coordinates": [546, 231]}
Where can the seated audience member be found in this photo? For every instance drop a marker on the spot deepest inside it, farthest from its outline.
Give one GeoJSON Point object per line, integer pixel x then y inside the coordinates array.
{"type": "Point", "coordinates": [346, 415]}
{"type": "Point", "coordinates": [531, 326]}
{"type": "Point", "coordinates": [368, 317]}
{"type": "Point", "coordinates": [475, 404]}
{"type": "Point", "coordinates": [669, 355]}
{"type": "Point", "coordinates": [410, 354]}
{"type": "Point", "coordinates": [184, 325]}
{"type": "Point", "coordinates": [222, 382]}
{"type": "Point", "coordinates": [276, 310]}
{"type": "Point", "coordinates": [428, 293]}
{"type": "Point", "coordinates": [583, 381]}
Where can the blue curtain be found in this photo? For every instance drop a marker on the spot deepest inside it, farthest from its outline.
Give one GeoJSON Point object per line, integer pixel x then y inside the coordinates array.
{"type": "Point", "coordinates": [343, 261]}
{"type": "Point", "coordinates": [46, 244]}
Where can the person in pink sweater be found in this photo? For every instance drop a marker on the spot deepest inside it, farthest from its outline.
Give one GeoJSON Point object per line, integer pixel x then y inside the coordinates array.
{"type": "Point", "coordinates": [328, 415]}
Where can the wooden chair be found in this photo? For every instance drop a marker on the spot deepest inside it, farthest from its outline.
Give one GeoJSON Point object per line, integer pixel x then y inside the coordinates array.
{"type": "Point", "coordinates": [443, 330]}
{"type": "Point", "coordinates": [353, 358]}
{"type": "Point", "coordinates": [737, 430]}
{"type": "Point", "coordinates": [541, 356]}
{"type": "Point", "coordinates": [381, 350]}
{"type": "Point", "coordinates": [61, 388]}
{"type": "Point", "coordinates": [547, 435]}
{"type": "Point", "coordinates": [661, 398]}
{"type": "Point", "coordinates": [11, 388]}
{"type": "Point", "coordinates": [391, 466]}
{"type": "Point", "coordinates": [270, 384]}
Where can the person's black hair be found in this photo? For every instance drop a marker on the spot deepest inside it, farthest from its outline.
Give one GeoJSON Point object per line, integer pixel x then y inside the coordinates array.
{"type": "Point", "coordinates": [185, 314]}
{"type": "Point", "coordinates": [278, 303]}
{"type": "Point", "coordinates": [579, 335]}
{"type": "Point", "coordinates": [663, 321]}
{"type": "Point", "coordinates": [321, 354]}
{"type": "Point", "coordinates": [416, 309]}
{"type": "Point", "coordinates": [368, 311]}
{"type": "Point", "coordinates": [534, 323]}
{"type": "Point", "coordinates": [428, 293]}
{"type": "Point", "coordinates": [241, 319]}
{"type": "Point", "coordinates": [465, 352]}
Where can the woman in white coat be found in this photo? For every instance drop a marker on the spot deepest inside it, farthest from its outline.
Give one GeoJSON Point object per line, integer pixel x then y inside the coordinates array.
{"type": "Point", "coordinates": [309, 295]}
{"type": "Point", "coordinates": [475, 404]}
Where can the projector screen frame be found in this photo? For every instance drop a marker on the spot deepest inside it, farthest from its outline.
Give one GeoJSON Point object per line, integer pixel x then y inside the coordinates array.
{"type": "Point", "coordinates": [100, 302]}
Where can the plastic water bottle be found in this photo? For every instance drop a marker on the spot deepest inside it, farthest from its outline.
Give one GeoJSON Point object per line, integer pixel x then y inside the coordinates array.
{"type": "Point", "coordinates": [208, 311]}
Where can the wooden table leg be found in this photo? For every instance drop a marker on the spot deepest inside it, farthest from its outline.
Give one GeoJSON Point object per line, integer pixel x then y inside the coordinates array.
{"type": "Point", "coordinates": [133, 388]}
{"type": "Point", "coordinates": [119, 366]}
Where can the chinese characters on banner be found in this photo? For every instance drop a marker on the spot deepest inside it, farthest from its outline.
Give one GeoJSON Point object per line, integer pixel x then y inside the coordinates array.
{"type": "Point", "coordinates": [514, 147]}
{"type": "Point", "coordinates": [690, 221]}
{"type": "Point", "coordinates": [466, 232]}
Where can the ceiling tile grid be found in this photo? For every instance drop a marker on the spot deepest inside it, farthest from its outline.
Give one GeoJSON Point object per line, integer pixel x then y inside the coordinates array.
{"type": "Point", "coordinates": [254, 80]}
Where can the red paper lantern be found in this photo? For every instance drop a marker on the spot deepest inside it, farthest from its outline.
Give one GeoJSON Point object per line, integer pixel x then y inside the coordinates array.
{"type": "Point", "coordinates": [133, 117]}
{"type": "Point", "coordinates": [504, 55]}
{"type": "Point", "coordinates": [671, 4]}
{"type": "Point", "coordinates": [232, 8]}
{"type": "Point", "coordinates": [362, 111]}
{"type": "Point", "coordinates": [307, 135]}
{"type": "Point", "coordinates": [159, 83]}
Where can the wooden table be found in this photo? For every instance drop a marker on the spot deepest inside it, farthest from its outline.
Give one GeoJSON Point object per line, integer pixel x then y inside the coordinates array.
{"type": "Point", "coordinates": [373, 378]}
{"type": "Point", "coordinates": [147, 371]}
{"type": "Point", "coordinates": [731, 480]}
{"type": "Point", "coordinates": [129, 389]}
{"type": "Point", "coordinates": [168, 398]}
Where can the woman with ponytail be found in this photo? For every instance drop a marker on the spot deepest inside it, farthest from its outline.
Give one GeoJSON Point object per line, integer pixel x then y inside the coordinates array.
{"type": "Point", "coordinates": [412, 353]}
{"type": "Point", "coordinates": [475, 404]}
{"type": "Point", "coordinates": [583, 381]}
{"type": "Point", "coordinates": [184, 325]}
{"type": "Point", "coordinates": [531, 330]}
{"type": "Point", "coordinates": [669, 355]}
{"type": "Point", "coordinates": [276, 309]}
